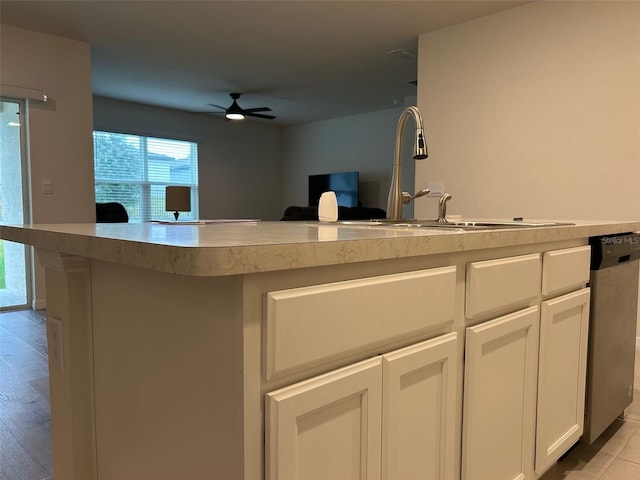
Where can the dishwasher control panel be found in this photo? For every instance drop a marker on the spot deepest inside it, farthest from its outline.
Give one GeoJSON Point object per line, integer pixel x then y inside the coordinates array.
{"type": "Point", "coordinates": [610, 250]}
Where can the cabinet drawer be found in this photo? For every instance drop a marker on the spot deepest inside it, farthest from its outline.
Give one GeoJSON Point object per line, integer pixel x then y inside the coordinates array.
{"type": "Point", "coordinates": [502, 284]}
{"type": "Point", "coordinates": [565, 270]}
{"type": "Point", "coordinates": [311, 325]}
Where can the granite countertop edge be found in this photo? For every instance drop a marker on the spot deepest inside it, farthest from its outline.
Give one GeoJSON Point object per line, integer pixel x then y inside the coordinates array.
{"type": "Point", "coordinates": [233, 249]}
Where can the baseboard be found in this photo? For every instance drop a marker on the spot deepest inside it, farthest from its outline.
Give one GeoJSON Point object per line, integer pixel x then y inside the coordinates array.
{"type": "Point", "coordinates": [39, 303]}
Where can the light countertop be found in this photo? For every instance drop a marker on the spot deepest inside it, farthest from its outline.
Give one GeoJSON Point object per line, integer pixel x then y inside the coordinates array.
{"type": "Point", "coordinates": [238, 248]}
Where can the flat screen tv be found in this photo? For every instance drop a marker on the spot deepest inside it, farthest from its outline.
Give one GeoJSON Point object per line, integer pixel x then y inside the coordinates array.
{"type": "Point", "coordinates": [345, 184]}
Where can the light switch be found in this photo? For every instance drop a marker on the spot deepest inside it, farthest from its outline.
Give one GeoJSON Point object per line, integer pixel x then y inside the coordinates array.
{"type": "Point", "coordinates": [47, 186]}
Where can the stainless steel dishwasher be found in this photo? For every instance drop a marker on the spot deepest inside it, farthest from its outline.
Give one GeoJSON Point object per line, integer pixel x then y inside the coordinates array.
{"type": "Point", "coordinates": [612, 330]}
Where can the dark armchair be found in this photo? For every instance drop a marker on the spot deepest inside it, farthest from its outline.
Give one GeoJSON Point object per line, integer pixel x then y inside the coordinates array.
{"type": "Point", "coordinates": [111, 212]}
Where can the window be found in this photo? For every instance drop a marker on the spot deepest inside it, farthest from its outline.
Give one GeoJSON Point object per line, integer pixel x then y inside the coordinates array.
{"type": "Point", "coordinates": [135, 170]}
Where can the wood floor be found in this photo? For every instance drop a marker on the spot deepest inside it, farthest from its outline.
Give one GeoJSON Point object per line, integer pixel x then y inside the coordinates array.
{"type": "Point", "coordinates": [25, 433]}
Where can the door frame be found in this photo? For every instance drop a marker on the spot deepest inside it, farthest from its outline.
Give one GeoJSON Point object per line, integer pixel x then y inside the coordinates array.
{"type": "Point", "coordinates": [23, 112]}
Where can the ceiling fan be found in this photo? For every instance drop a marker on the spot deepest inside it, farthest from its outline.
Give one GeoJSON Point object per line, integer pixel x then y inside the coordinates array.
{"type": "Point", "coordinates": [235, 112]}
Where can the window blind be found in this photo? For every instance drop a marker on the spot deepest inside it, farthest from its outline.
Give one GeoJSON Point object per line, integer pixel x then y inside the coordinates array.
{"type": "Point", "coordinates": [134, 170]}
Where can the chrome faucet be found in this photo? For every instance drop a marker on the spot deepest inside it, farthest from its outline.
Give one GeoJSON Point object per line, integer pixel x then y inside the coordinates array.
{"type": "Point", "coordinates": [398, 198]}
{"type": "Point", "coordinates": [442, 207]}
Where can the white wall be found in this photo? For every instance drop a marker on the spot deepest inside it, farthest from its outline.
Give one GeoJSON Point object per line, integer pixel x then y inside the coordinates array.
{"type": "Point", "coordinates": [364, 143]}
{"type": "Point", "coordinates": [239, 163]}
{"type": "Point", "coordinates": [535, 112]}
{"type": "Point", "coordinates": [62, 68]}
{"type": "Point", "coordinates": [61, 146]}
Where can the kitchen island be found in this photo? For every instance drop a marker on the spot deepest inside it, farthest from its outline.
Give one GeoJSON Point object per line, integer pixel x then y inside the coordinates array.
{"type": "Point", "coordinates": [282, 349]}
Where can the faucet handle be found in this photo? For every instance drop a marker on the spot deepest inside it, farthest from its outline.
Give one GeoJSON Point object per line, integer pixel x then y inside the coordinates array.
{"type": "Point", "coordinates": [407, 197]}
{"type": "Point", "coordinates": [442, 207]}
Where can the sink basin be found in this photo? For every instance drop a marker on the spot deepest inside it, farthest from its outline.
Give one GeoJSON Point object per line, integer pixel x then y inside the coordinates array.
{"type": "Point", "coordinates": [478, 224]}
{"type": "Point", "coordinates": [457, 224]}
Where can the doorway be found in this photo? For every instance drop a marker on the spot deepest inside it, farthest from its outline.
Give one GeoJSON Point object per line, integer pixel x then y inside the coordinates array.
{"type": "Point", "coordinates": [15, 264]}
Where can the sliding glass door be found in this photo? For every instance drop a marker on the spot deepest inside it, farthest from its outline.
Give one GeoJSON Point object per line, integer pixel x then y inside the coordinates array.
{"type": "Point", "coordinates": [14, 257]}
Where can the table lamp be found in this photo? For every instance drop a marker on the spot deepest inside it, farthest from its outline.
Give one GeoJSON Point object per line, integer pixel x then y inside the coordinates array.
{"type": "Point", "coordinates": [177, 199]}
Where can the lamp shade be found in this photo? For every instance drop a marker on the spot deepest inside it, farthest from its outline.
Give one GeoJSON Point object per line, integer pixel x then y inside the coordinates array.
{"type": "Point", "coordinates": [178, 199]}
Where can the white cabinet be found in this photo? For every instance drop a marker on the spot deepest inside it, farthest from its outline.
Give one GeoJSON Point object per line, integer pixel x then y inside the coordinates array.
{"type": "Point", "coordinates": [500, 377]}
{"type": "Point", "coordinates": [524, 400]}
{"type": "Point", "coordinates": [562, 367]}
{"type": "Point", "coordinates": [335, 426]}
{"type": "Point", "coordinates": [501, 365]}
{"type": "Point", "coordinates": [400, 415]}
{"type": "Point", "coordinates": [419, 411]}
{"type": "Point", "coordinates": [328, 426]}
{"type": "Point", "coordinates": [561, 376]}
{"type": "Point", "coordinates": [502, 285]}
{"type": "Point", "coordinates": [565, 270]}
{"type": "Point", "coordinates": [308, 326]}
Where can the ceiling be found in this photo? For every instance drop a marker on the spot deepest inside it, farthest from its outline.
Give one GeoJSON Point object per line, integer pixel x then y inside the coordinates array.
{"type": "Point", "coordinates": [307, 60]}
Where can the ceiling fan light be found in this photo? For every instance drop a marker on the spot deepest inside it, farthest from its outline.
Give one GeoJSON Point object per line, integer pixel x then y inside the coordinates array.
{"type": "Point", "coordinates": [235, 116]}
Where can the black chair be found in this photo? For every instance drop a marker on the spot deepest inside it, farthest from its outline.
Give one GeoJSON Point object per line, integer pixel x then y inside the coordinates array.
{"type": "Point", "coordinates": [111, 212]}
{"type": "Point", "coordinates": [300, 213]}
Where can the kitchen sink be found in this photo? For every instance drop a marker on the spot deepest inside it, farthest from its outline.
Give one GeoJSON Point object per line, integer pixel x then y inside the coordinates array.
{"type": "Point", "coordinates": [456, 224]}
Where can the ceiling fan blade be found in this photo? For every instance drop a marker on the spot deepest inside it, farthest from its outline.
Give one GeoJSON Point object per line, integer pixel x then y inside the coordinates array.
{"type": "Point", "coordinates": [259, 109]}
{"type": "Point", "coordinates": [235, 108]}
{"type": "Point", "coordinates": [258, 115]}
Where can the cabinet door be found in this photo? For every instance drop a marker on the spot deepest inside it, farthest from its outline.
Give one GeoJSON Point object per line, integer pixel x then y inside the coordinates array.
{"type": "Point", "coordinates": [328, 427]}
{"type": "Point", "coordinates": [499, 397]}
{"type": "Point", "coordinates": [419, 411]}
{"type": "Point", "coordinates": [561, 379]}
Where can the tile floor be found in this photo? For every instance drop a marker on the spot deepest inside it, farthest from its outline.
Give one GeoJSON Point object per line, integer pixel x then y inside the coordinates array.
{"type": "Point", "coordinates": [615, 455]}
